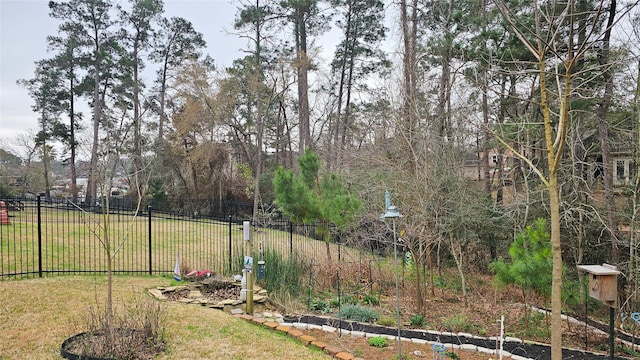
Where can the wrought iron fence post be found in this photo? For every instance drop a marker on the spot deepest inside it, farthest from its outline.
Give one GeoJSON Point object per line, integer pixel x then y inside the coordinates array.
{"type": "Point", "coordinates": [39, 236]}
{"type": "Point", "coordinates": [290, 238]}
{"type": "Point", "coordinates": [230, 252]}
{"type": "Point", "coordinates": [150, 252]}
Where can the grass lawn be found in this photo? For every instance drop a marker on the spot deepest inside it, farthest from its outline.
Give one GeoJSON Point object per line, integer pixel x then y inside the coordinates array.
{"type": "Point", "coordinates": [37, 315]}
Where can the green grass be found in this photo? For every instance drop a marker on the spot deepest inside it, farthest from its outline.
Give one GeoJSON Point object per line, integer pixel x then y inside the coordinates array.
{"type": "Point", "coordinates": [37, 315]}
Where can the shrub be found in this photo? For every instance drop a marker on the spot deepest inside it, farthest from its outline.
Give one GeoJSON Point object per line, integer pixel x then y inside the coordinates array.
{"type": "Point", "coordinates": [137, 332]}
{"type": "Point", "coordinates": [371, 300]}
{"type": "Point", "coordinates": [320, 306]}
{"type": "Point", "coordinates": [359, 313]}
{"type": "Point", "coordinates": [418, 320]}
{"type": "Point", "coordinates": [451, 354]}
{"type": "Point", "coordinates": [439, 283]}
{"type": "Point", "coordinates": [334, 303]}
{"type": "Point", "coordinates": [378, 341]}
{"type": "Point", "coordinates": [532, 326]}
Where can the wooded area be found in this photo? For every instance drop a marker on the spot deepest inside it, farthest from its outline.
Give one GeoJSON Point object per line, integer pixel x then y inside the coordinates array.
{"type": "Point", "coordinates": [483, 117]}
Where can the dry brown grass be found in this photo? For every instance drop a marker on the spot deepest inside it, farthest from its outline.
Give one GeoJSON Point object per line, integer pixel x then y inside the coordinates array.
{"type": "Point", "coordinates": [37, 315]}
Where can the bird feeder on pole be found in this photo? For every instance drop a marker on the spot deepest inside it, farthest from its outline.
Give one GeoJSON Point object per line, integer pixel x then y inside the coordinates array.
{"type": "Point", "coordinates": [392, 212]}
{"type": "Point", "coordinates": [603, 286]}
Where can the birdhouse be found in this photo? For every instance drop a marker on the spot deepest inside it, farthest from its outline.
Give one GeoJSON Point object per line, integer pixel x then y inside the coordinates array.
{"type": "Point", "coordinates": [603, 282]}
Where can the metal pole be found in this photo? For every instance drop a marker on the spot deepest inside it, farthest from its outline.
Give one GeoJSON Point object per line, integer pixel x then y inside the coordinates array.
{"type": "Point", "coordinates": [230, 251]}
{"type": "Point", "coordinates": [339, 305]}
{"type": "Point", "coordinates": [150, 257]}
{"type": "Point", "coordinates": [39, 236]}
{"type": "Point", "coordinates": [612, 332]}
{"type": "Point", "coordinates": [250, 292]}
{"type": "Point", "coordinates": [310, 284]}
{"type": "Point", "coordinates": [395, 256]}
{"type": "Point", "coordinates": [586, 319]}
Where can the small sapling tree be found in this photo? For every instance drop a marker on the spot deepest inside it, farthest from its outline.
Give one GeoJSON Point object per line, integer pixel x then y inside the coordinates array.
{"type": "Point", "coordinates": [308, 197]}
{"type": "Point", "coordinates": [138, 329]}
{"type": "Point", "coordinates": [531, 264]}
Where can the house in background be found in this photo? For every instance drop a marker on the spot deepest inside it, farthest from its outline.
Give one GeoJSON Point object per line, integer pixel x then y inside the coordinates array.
{"type": "Point", "coordinates": [500, 166]}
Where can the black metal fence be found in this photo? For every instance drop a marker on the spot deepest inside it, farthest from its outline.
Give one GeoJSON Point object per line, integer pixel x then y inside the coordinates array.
{"type": "Point", "coordinates": [59, 237]}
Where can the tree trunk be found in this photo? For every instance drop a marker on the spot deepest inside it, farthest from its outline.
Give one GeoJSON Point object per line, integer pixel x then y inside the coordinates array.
{"type": "Point", "coordinates": [163, 94]}
{"type": "Point", "coordinates": [72, 142]}
{"type": "Point", "coordinates": [556, 276]}
{"type": "Point", "coordinates": [430, 264]}
{"type": "Point", "coordinates": [485, 113]}
{"type": "Point", "coordinates": [409, 33]}
{"type": "Point", "coordinates": [137, 124]}
{"type": "Point", "coordinates": [341, 85]}
{"type": "Point", "coordinates": [326, 237]}
{"type": "Point", "coordinates": [633, 237]}
{"type": "Point", "coordinates": [419, 287]}
{"type": "Point", "coordinates": [456, 252]}
{"type": "Point", "coordinates": [603, 131]}
{"type": "Point", "coordinates": [302, 65]}
{"type": "Point", "coordinates": [91, 190]}
{"type": "Point", "coordinates": [554, 155]}
{"type": "Point", "coordinates": [45, 158]}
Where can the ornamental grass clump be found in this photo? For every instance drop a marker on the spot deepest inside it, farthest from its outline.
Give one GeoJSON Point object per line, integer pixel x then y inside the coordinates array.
{"type": "Point", "coordinates": [359, 313]}
{"type": "Point", "coordinates": [418, 320]}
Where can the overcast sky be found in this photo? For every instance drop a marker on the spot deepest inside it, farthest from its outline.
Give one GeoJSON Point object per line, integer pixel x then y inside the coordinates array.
{"type": "Point", "coordinates": [24, 25]}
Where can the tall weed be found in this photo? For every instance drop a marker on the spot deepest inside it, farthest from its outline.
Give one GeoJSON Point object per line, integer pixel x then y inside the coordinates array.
{"type": "Point", "coordinates": [283, 276]}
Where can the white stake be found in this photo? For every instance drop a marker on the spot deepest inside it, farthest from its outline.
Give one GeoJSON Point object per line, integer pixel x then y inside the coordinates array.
{"type": "Point", "coordinates": [176, 269]}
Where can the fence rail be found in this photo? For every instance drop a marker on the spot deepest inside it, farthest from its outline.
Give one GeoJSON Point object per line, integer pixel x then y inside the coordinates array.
{"type": "Point", "coordinates": [62, 238]}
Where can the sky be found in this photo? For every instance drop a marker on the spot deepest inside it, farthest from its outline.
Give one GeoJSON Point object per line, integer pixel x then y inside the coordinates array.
{"type": "Point", "coordinates": [24, 25]}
